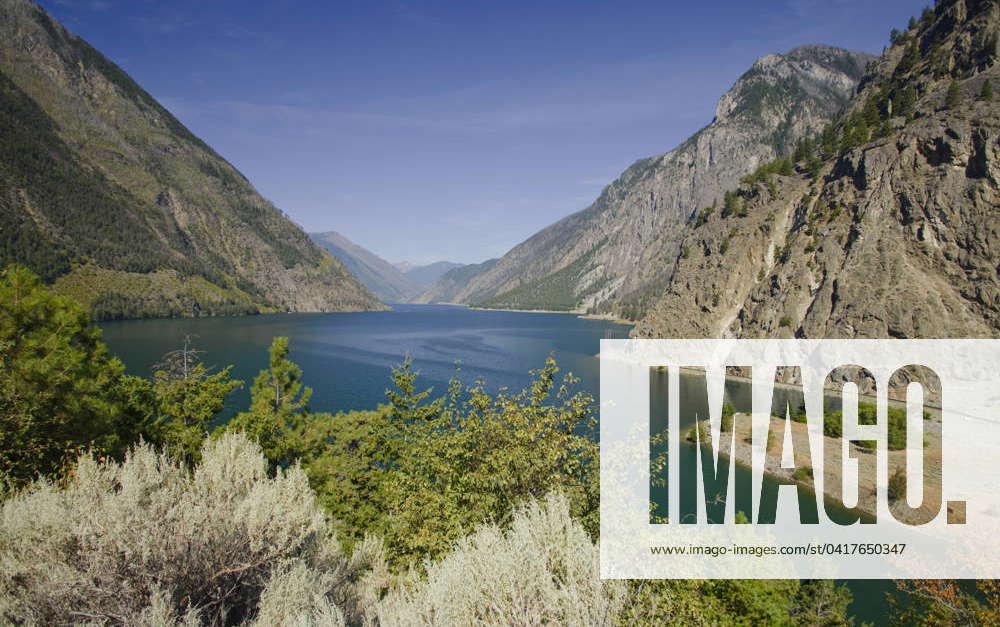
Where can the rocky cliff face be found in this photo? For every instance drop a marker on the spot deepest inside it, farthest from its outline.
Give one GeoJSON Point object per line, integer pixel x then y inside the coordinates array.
{"type": "Point", "coordinates": [896, 237]}
{"type": "Point", "coordinates": [106, 194]}
{"type": "Point", "coordinates": [616, 252]}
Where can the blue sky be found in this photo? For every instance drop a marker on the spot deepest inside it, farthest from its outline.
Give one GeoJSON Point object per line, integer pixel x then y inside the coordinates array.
{"type": "Point", "coordinates": [451, 130]}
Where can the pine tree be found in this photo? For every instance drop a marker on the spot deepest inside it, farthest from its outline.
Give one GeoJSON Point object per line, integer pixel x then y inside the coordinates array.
{"type": "Point", "coordinates": [903, 102]}
{"type": "Point", "coordinates": [732, 204]}
{"type": "Point", "coordinates": [910, 58]}
{"type": "Point", "coordinates": [188, 397]}
{"type": "Point", "coordinates": [954, 95]}
{"type": "Point", "coordinates": [785, 167]}
{"type": "Point", "coordinates": [870, 114]}
{"type": "Point", "coordinates": [279, 407]}
{"type": "Point", "coordinates": [986, 93]}
{"type": "Point", "coordinates": [61, 391]}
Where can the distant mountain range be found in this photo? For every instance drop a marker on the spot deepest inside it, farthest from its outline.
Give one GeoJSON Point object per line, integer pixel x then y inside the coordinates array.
{"type": "Point", "coordinates": [378, 275]}
{"type": "Point", "coordinates": [447, 288]}
{"type": "Point", "coordinates": [426, 275]}
{"type": "Point", "coordinates": [112, 200]}
{"type": "Point", "coordinates": [393, 283]}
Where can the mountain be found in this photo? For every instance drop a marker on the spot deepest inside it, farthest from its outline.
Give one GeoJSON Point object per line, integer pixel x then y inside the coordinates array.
{"type": "Point", "coordinates": [378, 275]}
{"type": "Point", "coordinates": [891, 226]}
{"type": "Point", "coordinates": [426, 275]}
{"type": "Point", "coordinates": [616, 252]}
{"type": "Point", "coordinates": [110, 198]}
{"type": "Point", "coordinates": [447, 287]}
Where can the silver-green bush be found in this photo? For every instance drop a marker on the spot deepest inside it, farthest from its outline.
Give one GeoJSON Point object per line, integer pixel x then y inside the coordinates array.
{"type": "Point", "coordinates": [149, 542]}
{"type": "Point", "coordinates": [541, 571]}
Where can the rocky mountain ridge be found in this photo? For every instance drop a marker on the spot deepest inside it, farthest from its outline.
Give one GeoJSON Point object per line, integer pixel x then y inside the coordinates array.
{"type": "Point", "coordinates": [895, 234]}
{"type": "Point", "coordinates": [614, 254]}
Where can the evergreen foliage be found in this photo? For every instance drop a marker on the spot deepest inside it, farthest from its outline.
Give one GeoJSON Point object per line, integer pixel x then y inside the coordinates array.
{"type": "Point", "coordinates": [61, 392]}
{"type": "Point", "coordinates": [189, 397]}
{"type": "Point", "coordinates": [279, 407]}
{"type": "Point", "coordinates": [986, 93]}
{"type": "Point", "coordinates": [954, 96]}
{"type": "Point", "coordinates": [60, 389]}
{"type": "Point", "coordinates": [421, 473]}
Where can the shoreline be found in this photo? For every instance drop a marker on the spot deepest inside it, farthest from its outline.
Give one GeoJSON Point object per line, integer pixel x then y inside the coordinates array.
{"type": "Point", "coordinates": [579, 313]}
{"type": "Point", "coordinates": [575, 312]}
{"type": "Point", "coordinates": [606, 318]}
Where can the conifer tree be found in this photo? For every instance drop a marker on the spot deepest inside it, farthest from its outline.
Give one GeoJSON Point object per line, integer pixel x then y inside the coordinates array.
{"type": "Point", "coordinates": [61, 391]}
{"type": "Point", "coordinates": [279, 407]}
{"type": "Point", "coordinates": [986, 93]}
{"type": "Point", "coordinates": [188, 397]}
{"type": "Point", "coordinates": [954, 95]}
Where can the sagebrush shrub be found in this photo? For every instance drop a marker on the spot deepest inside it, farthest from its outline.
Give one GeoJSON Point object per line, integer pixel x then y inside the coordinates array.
{"type": "Point", "coordinates": [542, 570]}
{"type": "Point", "coordinates": [147, 541]}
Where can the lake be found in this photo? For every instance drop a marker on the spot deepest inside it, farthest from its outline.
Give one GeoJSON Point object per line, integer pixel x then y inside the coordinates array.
{"type": "Point", "coordinates": [346, 358]}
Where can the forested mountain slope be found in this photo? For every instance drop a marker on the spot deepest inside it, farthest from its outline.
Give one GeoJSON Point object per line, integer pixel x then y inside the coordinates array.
{"type": "Point", "coordinates": [106, 194]}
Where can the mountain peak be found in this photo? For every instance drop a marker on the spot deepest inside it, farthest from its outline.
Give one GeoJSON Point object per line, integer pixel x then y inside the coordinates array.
{"type": "Point", "coordinates": [889, 229]}
{"type": "Point", "coordinates": [621, 247]}
{"type": "Point", "coordinates": [813, 70]}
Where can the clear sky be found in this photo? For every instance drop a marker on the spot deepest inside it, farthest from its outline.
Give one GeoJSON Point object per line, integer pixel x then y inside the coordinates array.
{"type": "Point", "coordinates": [451, 130]}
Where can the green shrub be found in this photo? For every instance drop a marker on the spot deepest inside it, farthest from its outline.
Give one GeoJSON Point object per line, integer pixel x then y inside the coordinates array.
{"type": "Point", "coordinates": [703, 216]}
{"type": "Point", "coordinates": [728, 417]}
{"type": "Point", "coordinates": [833, 427]}
{"type": "Point", "coordinates": [986, 93]}
{"type": "Point", "coordinates": [763, 174]}
{"type": "Point", "coordinates": [897, 485]}
{"type": "Point", "coordinates": [423, 472]}
{"type": "Point", "coordinates": [954, 95]}
{"type": "Point", "coordinates": [785, 321]}
{"type": "Point", "coordinates": [803, 474]}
